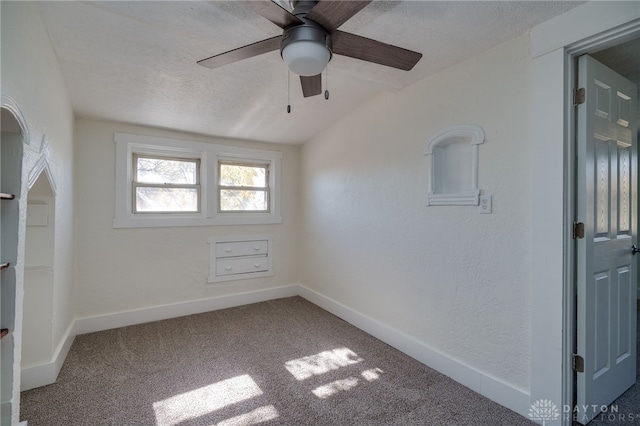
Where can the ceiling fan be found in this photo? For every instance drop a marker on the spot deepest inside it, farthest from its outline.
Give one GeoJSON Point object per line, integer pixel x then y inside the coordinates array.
{"type": "Point", "coordinates": [311, 37]}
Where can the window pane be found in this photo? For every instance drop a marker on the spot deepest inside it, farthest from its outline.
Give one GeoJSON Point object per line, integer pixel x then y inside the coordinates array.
{"type": "Point", "coordinates": [164, 170]}
{"type": "Point", "coordinates": [236, 175]}
{"type": "Point", "coordinates": [149, 199]}
{"type": "Point", "coordinates": [243, 200]}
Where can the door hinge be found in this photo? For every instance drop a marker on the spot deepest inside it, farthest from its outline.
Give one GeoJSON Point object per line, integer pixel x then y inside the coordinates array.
{"type": "Point", "coordinates": [578, 230]}
{"type": "Point", "coordinates": [578, 96]}
{"type": "Point", "coordinates": [577, 363]}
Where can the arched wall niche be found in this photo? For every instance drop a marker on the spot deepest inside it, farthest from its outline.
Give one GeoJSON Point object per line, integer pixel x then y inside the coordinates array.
{"type": "Point", "coordinates": [453, 166]}
{"type": "Point", "coordinates": [12, 114]}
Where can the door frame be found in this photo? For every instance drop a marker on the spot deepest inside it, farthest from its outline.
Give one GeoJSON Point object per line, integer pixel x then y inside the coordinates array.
{"type": "Point", "coordinates": [555, 46]}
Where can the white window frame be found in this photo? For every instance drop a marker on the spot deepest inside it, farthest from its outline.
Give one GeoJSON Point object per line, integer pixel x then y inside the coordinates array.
{"type": "Point", "coordinates": [209, 155]}
{"type": "Point", "coordinates": [137, 184]}
{"type": "Point", "coordinates": [235, 162]}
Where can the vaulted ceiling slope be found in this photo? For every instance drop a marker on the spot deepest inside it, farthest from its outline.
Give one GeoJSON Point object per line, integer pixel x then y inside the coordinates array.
{"type": "Point", "coordinates": [135, 61]}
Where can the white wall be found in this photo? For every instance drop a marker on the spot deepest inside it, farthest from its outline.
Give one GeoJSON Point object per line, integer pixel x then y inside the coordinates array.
{"type": "Point", "coordinates": [32, 80]}
{"type": "Point", "coordinates": [40, 233]}
{"type": "Point", "coordinates": [130, 269]}
{"type": "Point", "coordinates": [455, 280]}
{"type": "Point", "coordinates": [37, 343]}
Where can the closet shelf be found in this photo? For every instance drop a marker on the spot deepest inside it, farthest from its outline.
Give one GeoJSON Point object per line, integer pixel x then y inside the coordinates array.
{"type": "Point", "coordinates": [4, 332]}
{"type": "Point", "coordinates": [5, 196]}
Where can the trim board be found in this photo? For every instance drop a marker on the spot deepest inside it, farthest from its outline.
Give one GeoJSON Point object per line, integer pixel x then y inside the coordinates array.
{"type": "Point", "coordinates": [493, 388]}
{"type": "Point", "coordinates": [516, 399]}
{"type": "Point", "coordinates": [173, 310]}
{"type": "Point", "coordinates": [46, 374]}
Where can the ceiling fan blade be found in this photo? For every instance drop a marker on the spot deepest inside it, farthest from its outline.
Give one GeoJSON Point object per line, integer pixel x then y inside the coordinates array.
{"type": "Point", "coordinates": [332, 14]}
{"type": "Point", "coordinates": [311, 86]}
{"type": "Point", "coordinates": [274, 13]}
{"type": "Point", "coordinates": [241, 53]}
{"type": "Point", "coordinates": [359, 47]}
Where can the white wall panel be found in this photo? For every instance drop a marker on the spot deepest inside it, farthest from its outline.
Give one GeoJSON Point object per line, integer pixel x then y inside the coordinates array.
{"type": "Point", "coordinates": [136, 268]}
{"type": "Point", "coordinates": [446, 275]}
{"type": "Point", "coordinates": [31, 78]}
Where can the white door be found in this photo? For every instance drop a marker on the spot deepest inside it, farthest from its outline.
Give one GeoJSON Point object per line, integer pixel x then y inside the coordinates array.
{"type": "Point", "coordinates": [607, 205]}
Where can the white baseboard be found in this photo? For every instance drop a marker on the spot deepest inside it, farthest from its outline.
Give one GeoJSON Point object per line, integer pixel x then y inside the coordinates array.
{"type": "Point", "coordinates": [157, 313]}
{"type": "Point", "coordinates": [46, 374]}
{"type": "Point", "coordinates": [493, 388]}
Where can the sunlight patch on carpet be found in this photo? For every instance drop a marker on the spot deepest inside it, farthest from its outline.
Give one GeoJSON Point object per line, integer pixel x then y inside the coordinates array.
{"type": "Point", "coordinates": [325, 391]}
{"type": "Point", "coordinates": [315, 365]}
{"type": "Point", "coordinates": [259, 415]}
{"type": "Point", "coordinates": [372, 374]}
{"type": "Point", "coordinates": [205, 400]}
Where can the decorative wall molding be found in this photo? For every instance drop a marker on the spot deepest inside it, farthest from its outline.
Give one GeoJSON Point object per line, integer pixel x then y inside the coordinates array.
{"type": "Point", "coordinates": [12, 106]}
{"type": "Point", "coordinates": [474, 133]}
{"type": "Point", "coordinates": [454, 184]}
{"type": "Point", "coordinates": [42, 164]}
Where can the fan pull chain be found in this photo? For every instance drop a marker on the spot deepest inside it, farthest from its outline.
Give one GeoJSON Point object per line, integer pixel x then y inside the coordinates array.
{"type": "Point", "coordinates": [326, 83]}
{"type": "Point", "coordinates": [288, 92]}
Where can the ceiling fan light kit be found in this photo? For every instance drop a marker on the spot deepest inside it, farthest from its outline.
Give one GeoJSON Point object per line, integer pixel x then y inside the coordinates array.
{"type": "Point", "coordinates": [306, 48]}
{"type": "Point", "coordinates": [311, 37]}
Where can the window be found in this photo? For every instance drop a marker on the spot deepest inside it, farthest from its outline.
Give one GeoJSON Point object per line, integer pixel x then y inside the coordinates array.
{"type": "Point", "coordinates": [170, 182]}
{"type": "Point", "coordinates": [165, 184]}
{"type": "Point", "coordinates": [243, 187]}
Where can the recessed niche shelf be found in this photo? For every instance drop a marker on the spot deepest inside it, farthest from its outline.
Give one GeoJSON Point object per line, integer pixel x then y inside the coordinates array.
{"type": "Point", "coordinates": [453, 162]}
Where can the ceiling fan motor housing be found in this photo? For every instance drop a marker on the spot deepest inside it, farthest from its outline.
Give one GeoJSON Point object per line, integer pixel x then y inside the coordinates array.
{"type": "Point", "coordinates": [310, 38]}
{"type": "Point", "coordinates": [305, 40]}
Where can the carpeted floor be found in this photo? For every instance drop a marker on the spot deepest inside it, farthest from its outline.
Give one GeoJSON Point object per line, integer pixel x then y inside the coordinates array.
{"type": "Point", "coordinates": [282, 362]}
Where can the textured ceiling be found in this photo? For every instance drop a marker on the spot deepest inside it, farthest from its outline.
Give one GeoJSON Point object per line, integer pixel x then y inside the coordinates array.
{"type": "Point", "coordinates": [136, 61]}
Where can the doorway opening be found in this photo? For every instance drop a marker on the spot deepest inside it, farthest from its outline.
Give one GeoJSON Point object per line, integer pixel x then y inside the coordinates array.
{"type": "Point", "coordinates": [624, 60]}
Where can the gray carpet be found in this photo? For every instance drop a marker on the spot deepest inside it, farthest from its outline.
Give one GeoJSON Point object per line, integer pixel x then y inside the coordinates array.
{"type": "Point", "coordinates": [282, 362]}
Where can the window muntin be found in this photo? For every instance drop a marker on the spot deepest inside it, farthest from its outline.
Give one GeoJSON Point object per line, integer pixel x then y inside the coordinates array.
{"type": "Point", "coordinates": [243, 187]}
{"type": "Point", "coordinates": [165, 184]}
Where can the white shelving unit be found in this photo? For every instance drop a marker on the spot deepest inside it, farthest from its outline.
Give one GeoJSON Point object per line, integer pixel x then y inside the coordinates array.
{"type": "Point", "coordinates": [10, 186]}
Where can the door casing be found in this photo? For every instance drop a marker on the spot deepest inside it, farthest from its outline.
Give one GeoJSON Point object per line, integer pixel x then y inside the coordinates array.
{"type": "Point", "coordinates": [555, 46]}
